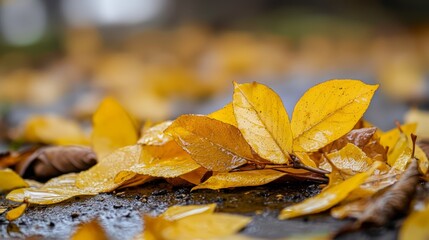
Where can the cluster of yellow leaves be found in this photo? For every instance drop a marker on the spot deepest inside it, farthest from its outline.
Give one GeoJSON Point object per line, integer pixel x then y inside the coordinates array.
{"type": "Point", "coordinates": [249, 142]}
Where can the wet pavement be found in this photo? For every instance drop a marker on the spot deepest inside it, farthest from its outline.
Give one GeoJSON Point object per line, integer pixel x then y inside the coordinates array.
{"type": "Point", "coordinates": [120, 212]}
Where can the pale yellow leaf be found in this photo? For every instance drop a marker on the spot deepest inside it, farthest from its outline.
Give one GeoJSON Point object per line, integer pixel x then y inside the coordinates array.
{"type": "Point", "coordinates": [240, 179]}
{"type": "Point", "coordinates": [328, 198]}
{"type": "Point", "coordinates": [350, 157]}
{"type": "Point", "coordinates": [90, 231]}
{"type": "Point", "coordinates": [205, 226]}
{"type": "Point", "coordinates": [389, 138]}
{"type": "Point", "coordinates": [100, 178]}
{"type": "Point", "coordinates": [2, 209]}
{"type": "Point", "coordinates": [54, 191]}
{"type": "Point", "coordinates": [213, 144]}
{"type": "Point", "coordinates": [328, 111]}
{"type": "Point", "coordinates": [155, 135]}
{"type": "Point", "coordinates": [263, 121]}
{"type": "Point", "coordinates": [51, 129]}
{"type": "Point", "coordinates": [225, 114]}
{"type": "Point", "coordinates": [16, 212]}
{"type": "Point", "coordinates": [178, 212]}
{"type": "Point", "coordinates": [113, 128]}
{"type": "Point", "coordinates": [10, 180]}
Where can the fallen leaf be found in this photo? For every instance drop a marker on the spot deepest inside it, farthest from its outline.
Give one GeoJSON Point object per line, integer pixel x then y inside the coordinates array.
{"type": "Point", "coordinates": [90, 231]}
{"type": "Point", "coordinates": [240, 179]}
{"type": "Point", "coordinates": [328, 198]}
{"type": "Point", "coordinates": [192, 222]}
{"type": "Point", "coordinates": [225, 114]}
{"type": "Point", "coordinates": [195, 176]}
{"type": "Point", "coordinates": [113, 128]}
{"type": "Point", "coordinates": [46, 129]}
{"type": "Point", "coordinates": [359, 137]}
{"type": "Point", "coordinates": [391, 137]}
{"type": "Point", "coordinates": [213, 144]}
{"type": "Point", "coordinates": [16, 212]}
{"type": "Point", "coordinates": [155, 135]}
{"type": "Point", "coordinates": [54, 191]}
{"type": "Point", "coordinates": [328, 111]}
{"type": "Point", "coordinates": [100, 178]}
{"type": "Point", "coordinates": [2, 210]}
{"type": "Point", "coordinates": [416, 225]}
{"type": "Point", "coordinates": [389, 204]}
{"type": "Point", "coordinates": [165, 168]}
{"type": "Point", "coordinates": [178, 212]}
{"type": "Point", "coordinates": [349, 157]}
{"type": "Point", "coordinates": [48, 162]}
{"type": "Point", "coordinates": [10, 180]}
{"type": "Point", "coordinates": [263, 121]}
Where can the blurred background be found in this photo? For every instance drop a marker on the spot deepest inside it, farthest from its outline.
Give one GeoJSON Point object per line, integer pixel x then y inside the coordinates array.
{"type": "Point", "coordinates": [162, 58]}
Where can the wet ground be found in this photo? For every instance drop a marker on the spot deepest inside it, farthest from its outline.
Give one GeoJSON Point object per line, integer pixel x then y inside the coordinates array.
{"type": "Point", "coordinates": [120, 212]}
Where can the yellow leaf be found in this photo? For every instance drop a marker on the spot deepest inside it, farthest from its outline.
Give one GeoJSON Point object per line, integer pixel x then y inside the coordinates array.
{"type": "Point", "coordinates": [213, 144]}
{"type": "Point", "coordinates": [90, 231]}
{"type": "Point", "coordinates": [51, 129]}
{"type": "Point", "coordinates": [10, 180]}
{"type": "Point", "coordinates": [328, 111]}
{"type": "Point", "coordinates": [54, 191]}
{"type": "Point", "coordinates": [2, 210]}
{"type": "Point", "coordinates": [195, 176]}
{"type": "Point", "coordinates": [155, 135]}
{"type": "Point", "coordinates": [350, 157]}
{"type": "Point", "coordinates": [166, 168]}
{"type": "Point", "coordinates": [240, 179]}
{"type": "Point", "coordinates": [328, 198]}
{"type": "Point", "coordinates": [225, 114]}
{"type": "Point", "coordinates": [205, 226]}
{"type": "Point", "coordinates": [100, 178]}
{"type": "Point", "coordinates": [306, 159]}
{"type": "Point", "coordinates": [423, 159]}
{"type": "Point", "coordinates": [16, 212]}
{"type": "Point", "coordinates": [113, 128]}
{"type": "Point", "coordinates": [178, 212]}
{"type": "Point", "coordinates": [416, 225]}
{"type": "Point", "coordinates": [391, 137]}
{"type": "Point", "coordinates": [263, 121]}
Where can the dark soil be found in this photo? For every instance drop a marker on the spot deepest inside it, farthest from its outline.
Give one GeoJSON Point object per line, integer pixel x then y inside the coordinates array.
{"type": "Point", "coordinates": [120, 212]}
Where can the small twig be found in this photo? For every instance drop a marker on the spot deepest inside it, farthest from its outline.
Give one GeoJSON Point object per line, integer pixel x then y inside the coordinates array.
{"type": "Point", "coordinates": [297, 163]}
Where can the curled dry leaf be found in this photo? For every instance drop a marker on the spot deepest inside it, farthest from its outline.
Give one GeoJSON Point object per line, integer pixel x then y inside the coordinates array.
{"type": "Point", "coordinates": [263, 121]}
{"type": "Point", "coordinates": [46, 129]}
{"type": "Point", "coordinates": [113, 128]}
{"type": "Point", "coordinates": [90, 231]}
{"type": "Point", "coordinates": [100, 178]}
{"type": "Point", "coordinates": [390, 204]}
{"type": "Point", "coordinates": [10, 180]}
{"type": "Point", "coordinates": [16, 212]}
{"type": "Point", "coordinates": [213, 144]}
{"type": "Point", "coordinates": [54, 191]}
{"type": "Point", "coordinates": [327, 198]}
{"type": "Point", "coordinates": [225, 114]}
{"type": "Point", "coordinates": [328, 111]}
{"type": "Point", "coordinates": [48, 162]}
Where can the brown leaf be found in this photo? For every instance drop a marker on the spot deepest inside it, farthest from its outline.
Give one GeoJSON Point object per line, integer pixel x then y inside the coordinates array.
{"type": "Point", "coordinates": [48, 162]}
{"type": "Point", "coordinates": [390, 204]}
{"type": "Point", "coordinates": [359, 137]}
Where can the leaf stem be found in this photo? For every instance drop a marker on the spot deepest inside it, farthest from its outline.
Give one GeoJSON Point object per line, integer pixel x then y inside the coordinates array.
{"type": "Point", "coordinates": [297, 163]}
